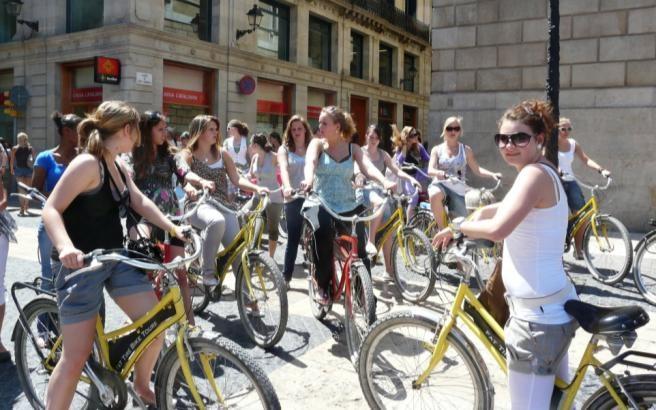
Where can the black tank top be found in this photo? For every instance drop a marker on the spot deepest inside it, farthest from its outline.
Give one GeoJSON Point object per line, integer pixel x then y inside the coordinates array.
{"type": "Point", "coordinates": [21, 155]}
{"type": "Point", "coordinates": [93, 219]}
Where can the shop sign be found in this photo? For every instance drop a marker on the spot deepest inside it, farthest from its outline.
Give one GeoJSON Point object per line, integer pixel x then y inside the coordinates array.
{"type": "Point", "coordinates": [272, 107]}
{"type": "Point", "coordinates": [184, 97]}
{"type": "Point", "coordinates": [107, 70]}
{"type": "Point", "coordinates": [87, 94]}
{"type": "Point", "coordinates": [313, 111]}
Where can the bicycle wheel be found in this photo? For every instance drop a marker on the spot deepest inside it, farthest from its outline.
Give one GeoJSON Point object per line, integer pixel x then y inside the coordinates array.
{"type": "Point", "coordinates": [397, 350]}
{"type": "Point", "coordinates": [425, 222]}
{"type": "Point", "coordinates": [262, 308]}
{"type": "Point", "coordinates": [609, 254]}
{"type": "Point", "coordinates": [240, 381]}
{"type": "Point", "coordinates": [33, 373]}
{"type": "Point", "coordinates": [282, 226]}
{"type": "Point", "coordinates": [319, 311]}
{"type": "Point", "coordinates": [359, 309]}
{"type": "Point", "coordinates": [642, 389]}
{"type": "Point", "coordinates": [644, 269]}
{"type": "Point", "coordinates": [200, 294]}
{"type": "Point", "coordinates": [412, 262]}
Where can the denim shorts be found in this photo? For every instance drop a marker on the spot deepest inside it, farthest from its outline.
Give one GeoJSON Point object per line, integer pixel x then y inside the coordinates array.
{"type": "Point", "coordinates": [22, 172]}
{"type": "Point", "coordinates": [456, 203]}
{"type": "Point", "coordinates": [575, 199]}
{"type": "Point", "coordinates": [81, 297]}
{"type": "Point", "coordinates": [536, 348]}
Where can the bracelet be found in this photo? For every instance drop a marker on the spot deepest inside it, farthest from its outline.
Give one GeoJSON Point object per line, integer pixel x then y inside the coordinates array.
{"type": "Point", "coordinates": [172, 231]}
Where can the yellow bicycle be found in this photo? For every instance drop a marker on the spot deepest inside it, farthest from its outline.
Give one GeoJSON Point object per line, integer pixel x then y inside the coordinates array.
{"type": "Point", "coordinates": [418, 358]}
{"type": "Point", "coordinates": [260, 288]}
{"type": "Point", "coordinates": [194, 372]}
{"type": "Point", "coordinates": [607, 248]}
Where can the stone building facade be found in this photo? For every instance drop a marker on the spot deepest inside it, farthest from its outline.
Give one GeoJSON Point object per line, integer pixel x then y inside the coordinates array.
{"type": "Point", "coordinates": [488, 55]}
{"type": "Point", "coordinates": [184, 57]}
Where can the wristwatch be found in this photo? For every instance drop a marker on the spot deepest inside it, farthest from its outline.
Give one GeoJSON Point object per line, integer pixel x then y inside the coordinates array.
{"type": "Point", "coordinates": [455, 225]}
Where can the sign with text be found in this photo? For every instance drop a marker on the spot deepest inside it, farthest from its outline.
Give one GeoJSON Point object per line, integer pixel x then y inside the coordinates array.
{"type": "Point", "coordinates": [87, 94]}
{"type": "Point", "coordinates": [107, 70]}
{"type": "Point", "coordinates": [184, 97]}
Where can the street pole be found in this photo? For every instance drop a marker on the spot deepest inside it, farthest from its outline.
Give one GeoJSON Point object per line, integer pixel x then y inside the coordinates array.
{"type": "Point", "coordinates": [553, 75]}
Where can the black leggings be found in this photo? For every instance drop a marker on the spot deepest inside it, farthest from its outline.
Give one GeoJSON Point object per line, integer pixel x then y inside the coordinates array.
{"type": "Point", "coordinates": [324, 239]}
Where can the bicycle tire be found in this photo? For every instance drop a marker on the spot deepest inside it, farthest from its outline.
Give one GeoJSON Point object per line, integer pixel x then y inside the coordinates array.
{"type": "Point", "coordinates": [416, 281]}
{"type": "Point", "coordinates": [29, 366]}
{"type": "Point", "coordinates": [424, 221]}
{"type": "Point", "coordinates": [468, 379]}
{"type": "Point", "coordinates": [644, 268]}
{"type": "Point", "coordinates": [241, 381]}
{"type": "Point", "coordinates": [267, 323]}
{"type": "Point", "coordinates": [362, 311]}
{"type": "Point", "coordinates": [594, 254]}
{"type": "Point", "coordinates": [642, 389]}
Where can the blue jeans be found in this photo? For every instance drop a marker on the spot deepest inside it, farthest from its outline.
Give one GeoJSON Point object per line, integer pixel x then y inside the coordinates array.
{"type": "Point", "coordinates": [294, 230]}
{"type": "Point", "coordinates": [575, 199]}
{"type": "Point", "coordinates": [45, 249]}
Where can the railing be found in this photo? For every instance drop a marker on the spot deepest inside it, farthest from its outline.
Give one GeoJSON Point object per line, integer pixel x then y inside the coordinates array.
{"type": "Point", "coordinates": [397, 17]}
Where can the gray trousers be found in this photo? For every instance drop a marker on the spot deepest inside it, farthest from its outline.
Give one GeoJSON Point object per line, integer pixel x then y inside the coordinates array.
{"type": "Point", "coordinates": [217, 229]}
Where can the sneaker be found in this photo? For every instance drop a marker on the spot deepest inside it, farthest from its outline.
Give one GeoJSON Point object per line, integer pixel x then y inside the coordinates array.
{"type": "Point", "coordinates": [288, 284]}
{"type": "Point", "coordinates": [371, 249]}
{"type": "Point", "coordinates": [210, 280]}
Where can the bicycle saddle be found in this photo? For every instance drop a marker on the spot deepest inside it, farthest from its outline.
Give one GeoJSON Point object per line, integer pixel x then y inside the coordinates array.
{"type": "Point", "coordinates": [606, 320]}
{"type": "Point", "coordinates": [478, 244]}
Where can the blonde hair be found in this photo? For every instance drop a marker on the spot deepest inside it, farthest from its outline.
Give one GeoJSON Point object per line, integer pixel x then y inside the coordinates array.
{"type": "Point", "coordinates": [450, 120]}
{"type": "Point", "coordinates": [108, 119]}
{"type": "Point", "coordinates": [564, 120]}
{"type": "Point", "coordinates": [198, 126]}
{"type": "Point", "coordinates": [341, 117]}
{"type": "Point", "coordinates": [400, 139]}
{"type": "Point", "coordinates": [22, 137]}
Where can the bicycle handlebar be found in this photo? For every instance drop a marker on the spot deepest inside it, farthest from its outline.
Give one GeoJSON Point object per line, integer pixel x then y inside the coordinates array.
{"type": "Point", "coordinates": [32, 193]}
{"type": "Point", "coordinates": [352, 219]}
{"type": "Point", "coordinates": [592, 187]}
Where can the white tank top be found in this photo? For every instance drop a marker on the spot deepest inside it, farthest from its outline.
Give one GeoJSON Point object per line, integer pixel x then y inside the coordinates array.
{"type": "Point", "coordinates": [533, 258]}
{"type": "Point", "coordinates": [565, 160]}
{"type": "Point", "coordinates": [238, 157]}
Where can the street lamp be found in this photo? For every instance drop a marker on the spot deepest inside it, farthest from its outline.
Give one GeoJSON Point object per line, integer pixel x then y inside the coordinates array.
{"type": "Point", "coordinates": [410, 75]}
{"type": "Point", "coordinates": [194, 23]}
{"type": "Point", "coordinates": [254, 19]}
{"type": "Point", "coordinates": [13, 9]}
{"type": "Point", "coordinates": [553, 76]}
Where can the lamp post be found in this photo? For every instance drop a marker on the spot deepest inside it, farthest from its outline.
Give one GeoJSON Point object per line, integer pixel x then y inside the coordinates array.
{"type": "Point", "coordinates": [254, 20]}
{"type": "Point", "coordinates": [410, 75]}
{"type": "Point", "coordinates": [13, 8]}
{"type": "Point", "coordinates": [553, 75]}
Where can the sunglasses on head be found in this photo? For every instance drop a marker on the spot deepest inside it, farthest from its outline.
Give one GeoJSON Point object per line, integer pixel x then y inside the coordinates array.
{"type": "Point", "coordinates": [456, 129]}
{"type": "Point", "coordinates": [155, 116]}
{"type": "Point", "coordinates": [520, 139]}
{"type": "Point", "coordinates": [565, 129]}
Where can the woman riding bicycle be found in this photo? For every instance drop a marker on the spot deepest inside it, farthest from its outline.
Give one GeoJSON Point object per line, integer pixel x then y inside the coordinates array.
{"type": "Point", "coordinates": [568, 149]}
{"type": "Point", "coordinates": [264, 167]}
{"type": "Point", "coordinates": [83, 213]}
{"type": "Point", "coordinates": [532, 222]}
{"type": "Point", "coordinates": [153, 167]}
{"type": "Point", "coordinates": [409, 150]}
{"type": "Point", "coordinates": [329, 168]}
{"type": "Point", "coordinates": [205, 157]}
{"type": "Point", "coordinates": [291, 157]}
{"type": "Point", "coordinates": [451, 158]}
{"type": "Point", "coordinates": [382, 161]}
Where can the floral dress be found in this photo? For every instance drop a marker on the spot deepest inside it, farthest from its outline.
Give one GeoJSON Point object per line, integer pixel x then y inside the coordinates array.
{"type": "Point", "coordinates": [8, 226]}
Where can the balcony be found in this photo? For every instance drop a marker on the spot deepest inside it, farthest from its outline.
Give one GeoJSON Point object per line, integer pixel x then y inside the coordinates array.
{"type": "Point", "coordinates": [395, 16]}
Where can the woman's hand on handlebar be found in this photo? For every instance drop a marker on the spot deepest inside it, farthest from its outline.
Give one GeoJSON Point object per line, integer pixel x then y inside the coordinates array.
{"type": "Point", "coordinates": [497, 176]}
{"type": "Point", "coordinates": [389, 185]}
{"type": "Point", "coordinates": [262, 190]}
{"type": "Point", "coordinates": [71, 257]}
{"type": "Point", "coordinates": [442, 239]}
{"type": "Point", "coordinates": [415, 183]}
{"type": "Point", "coordinates": [287, 192]}
{"type": "Point", "coordinates": [306, 186]}
{"type": "Point", "coordinates": [441, 175]}
{"type": "Point", "coordinates": [191, 192]}
{"type": "Point", "coordinates": [182, 232]}
{"type": "Point", "coordinates": [605, 173]}
{"type": "Point", "coordinates": [209, 185]}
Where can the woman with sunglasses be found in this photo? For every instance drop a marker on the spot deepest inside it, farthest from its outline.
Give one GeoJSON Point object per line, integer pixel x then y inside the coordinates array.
{"type": "Point", "coordinates": [450, 159]}
{"type": "Point", "coordinates": [329, 169]}
{"type": "Point", "coordinates": [408, 149]}
{"type": "Point", "coordinates": [532, 222]}
{"type": "Point", "coordinates": [373, 196]}
{"type": "Point", "coordinates": [568, 149]}
{"type": "Point", "coordinates": [83, 213]}
{"type": "Point", "coordinates": [153, 167]}
{"type": "Point", "coordinates": [206, 157]}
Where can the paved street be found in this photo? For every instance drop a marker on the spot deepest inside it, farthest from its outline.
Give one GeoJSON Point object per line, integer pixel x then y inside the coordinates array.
{"type": "Point", "coordinates": [309, 367]}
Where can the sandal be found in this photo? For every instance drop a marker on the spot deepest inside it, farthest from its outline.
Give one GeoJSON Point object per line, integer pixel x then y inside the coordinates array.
{"type": "Point", "coordinates": [210, 280]}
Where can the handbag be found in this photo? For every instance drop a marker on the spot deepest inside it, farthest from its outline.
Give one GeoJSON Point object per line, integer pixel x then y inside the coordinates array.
{"type": "Point", "coordinates": [492, 297]}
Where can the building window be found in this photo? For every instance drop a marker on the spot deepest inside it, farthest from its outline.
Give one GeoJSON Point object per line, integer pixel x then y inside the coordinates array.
{"type": "Point", "coordinates": [273, 33]}
{"type": "Point", "coordinates": [411, 8]}
{"type": "Point", "coordinates": [189, 15]}
{"type": "Point", "coordinates": [7, 25]}
{"type": "Point", "coordinates": [319, 44]}
{"type": "Point", "coordinates": [385, 65]}
{"type": "Point", "coordinates": [409, 72]}
{"type": "Point", "coordinates": [83, 15]}
{"type": "Point", "coordinates": [357, 55]}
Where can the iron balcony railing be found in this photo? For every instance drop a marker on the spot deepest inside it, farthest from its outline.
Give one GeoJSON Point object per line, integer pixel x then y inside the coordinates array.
{"type": "Point", "coordinates": [395, 16]}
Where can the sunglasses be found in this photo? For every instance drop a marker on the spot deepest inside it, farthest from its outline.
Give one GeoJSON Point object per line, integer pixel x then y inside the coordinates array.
{"type": "Point", "coordinates": [519, 140]}
{"type": "Point", "coordinates": [449, 129]}
{"type": "Point", "coordinates": [563, 129]}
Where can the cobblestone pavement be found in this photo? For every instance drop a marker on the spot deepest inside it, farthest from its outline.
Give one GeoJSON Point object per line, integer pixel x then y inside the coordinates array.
{"type": "Point", "coordinates": [310, 365]}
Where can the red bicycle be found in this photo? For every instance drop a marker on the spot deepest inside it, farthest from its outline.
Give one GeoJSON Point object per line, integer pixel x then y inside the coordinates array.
{"type": "Point", "coordinates": [350, 277]}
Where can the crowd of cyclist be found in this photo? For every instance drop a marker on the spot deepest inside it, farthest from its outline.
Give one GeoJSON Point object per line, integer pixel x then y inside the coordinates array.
{"type": "Point", "coordinates": [118, 167]}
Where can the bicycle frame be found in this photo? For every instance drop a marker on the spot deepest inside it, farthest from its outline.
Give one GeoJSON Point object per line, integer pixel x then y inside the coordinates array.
{"type": "Point", "coordinates": [457, 311]}
{"type": "Point", "coordinates": [582, 217]}
{"type": "Point", "coordinates": [343, 243]}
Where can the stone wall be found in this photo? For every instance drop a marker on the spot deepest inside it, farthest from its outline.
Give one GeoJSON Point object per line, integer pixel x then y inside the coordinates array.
{"type": "Point", "coordinates": [488, 55]}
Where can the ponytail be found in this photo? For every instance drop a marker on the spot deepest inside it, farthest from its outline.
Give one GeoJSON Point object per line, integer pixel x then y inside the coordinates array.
{"type": "Point", "coordinates": [105, 121]}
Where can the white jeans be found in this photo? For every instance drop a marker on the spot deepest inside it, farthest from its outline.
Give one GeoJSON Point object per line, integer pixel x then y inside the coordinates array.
{"type": "Point", "coordinates": [216, 228]}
